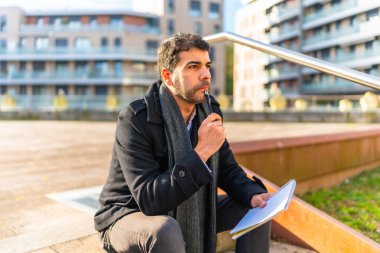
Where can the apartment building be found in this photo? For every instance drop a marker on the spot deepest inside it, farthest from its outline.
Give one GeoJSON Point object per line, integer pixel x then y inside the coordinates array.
{"type": "Point", "coordinates": [339, 31]}
{"type": "Point", "coordinates": [91, 54]}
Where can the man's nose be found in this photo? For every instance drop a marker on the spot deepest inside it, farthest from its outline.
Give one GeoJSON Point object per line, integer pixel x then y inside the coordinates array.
{"type": "Point", "coordinates": [205, 73]}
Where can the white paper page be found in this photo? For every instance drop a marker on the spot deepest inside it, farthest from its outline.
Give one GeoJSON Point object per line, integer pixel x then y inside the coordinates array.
{"type": "Point", "coordinates": [277, 203]}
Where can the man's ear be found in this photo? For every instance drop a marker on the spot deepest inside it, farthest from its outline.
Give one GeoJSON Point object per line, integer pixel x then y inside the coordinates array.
{"type": "Point", "coordinates": [166, 76]}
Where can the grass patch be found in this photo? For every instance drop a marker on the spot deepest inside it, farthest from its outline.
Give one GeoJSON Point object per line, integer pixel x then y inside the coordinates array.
{"type": "Point", "coordinates": [355, 202]}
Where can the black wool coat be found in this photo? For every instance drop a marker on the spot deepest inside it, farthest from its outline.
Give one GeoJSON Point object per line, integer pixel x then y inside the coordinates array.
{"type": "Point", "coordinates": [139, 178]}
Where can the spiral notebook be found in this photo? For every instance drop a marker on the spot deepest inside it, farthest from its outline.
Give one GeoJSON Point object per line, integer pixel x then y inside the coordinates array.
{"type": "Point", "coordinates": [255, 217]}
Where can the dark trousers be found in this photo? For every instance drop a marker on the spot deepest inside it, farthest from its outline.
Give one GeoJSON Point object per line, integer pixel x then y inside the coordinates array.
{"type": "Point", "coordinates": [138, 233]}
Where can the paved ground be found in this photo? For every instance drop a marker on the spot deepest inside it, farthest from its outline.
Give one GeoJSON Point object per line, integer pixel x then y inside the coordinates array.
{"type": "Point", "coordinates": [40, 158]}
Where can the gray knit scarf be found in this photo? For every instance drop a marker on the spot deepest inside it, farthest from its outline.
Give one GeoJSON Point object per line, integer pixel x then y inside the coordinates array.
{"type": "Point", "coordinates": [196, 215]}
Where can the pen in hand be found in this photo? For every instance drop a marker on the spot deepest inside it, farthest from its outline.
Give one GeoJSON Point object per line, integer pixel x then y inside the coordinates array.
{"type": "Point", "coordinates": [208, 101]}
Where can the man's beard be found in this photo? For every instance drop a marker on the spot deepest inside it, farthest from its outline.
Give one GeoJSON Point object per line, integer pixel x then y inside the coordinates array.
{"type": "Point", "coordinates": [190, 95]}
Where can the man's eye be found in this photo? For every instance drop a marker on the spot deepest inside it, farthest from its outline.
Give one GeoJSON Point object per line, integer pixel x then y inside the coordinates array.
{"type": "Point", "coordinates": [193, 66]}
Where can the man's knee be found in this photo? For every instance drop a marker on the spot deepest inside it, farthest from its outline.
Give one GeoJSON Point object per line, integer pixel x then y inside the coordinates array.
{"type": "Point", "coordinates": [167, 235]}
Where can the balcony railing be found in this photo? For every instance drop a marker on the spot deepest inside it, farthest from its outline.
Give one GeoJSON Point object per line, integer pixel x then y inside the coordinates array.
{"type": "Point", "coordinates": [332, 10]}
{"type": "Point", "coordinates": [78, 77]}
{"type": "Point", "coordinates": [74, 102]}
{"type": "Point", "coordinates": [350, 56]}
{"type": "Point", "coordinates": [75, 75]}
{"type": "Point", "coordinates": [82, 51]}
{"type": "Point", "coordinates": [316, 38]}
{"type": "Point", "coordinates": [279, 73]}
{"type": "Point", "coordinates": [284, 33]}
{"type": "Point", "coordinates": [89, 28]}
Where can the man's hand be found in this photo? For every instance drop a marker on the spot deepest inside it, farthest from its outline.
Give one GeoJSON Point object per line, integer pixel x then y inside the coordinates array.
{"type": "Point", "coordinates": [211, 136]}
{"type": "Point", "coordinates": [260, 200]}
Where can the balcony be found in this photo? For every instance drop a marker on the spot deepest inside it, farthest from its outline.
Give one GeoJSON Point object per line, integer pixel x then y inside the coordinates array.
{"type": "Point", "coordinates": [344, 36]}
{"type": "Point", "coordinates": [329, 86]}
{"type": "Point", "coordinates": [32, 29]}
{"type": "Point", "coordinates": [280, 14]}
{"type": "Point", "coordinates": [74, 102]}
{"type": "Point", "coordinates": [358, 59]}
{"type": "Point", "coordinates": [331, 11]}
{"type": "Point", "coordinates": [277, 74]}
{"type": "Point", "coordinates": [69, 77]}
{"type": "Point", "coordinates": [125, 53]}
{"type": "Point", "coordinates": [338, 12]}
{"type": "Point", "coordinates": [286, 32]}
{"type": "Point", "coordinates": [324, 36]}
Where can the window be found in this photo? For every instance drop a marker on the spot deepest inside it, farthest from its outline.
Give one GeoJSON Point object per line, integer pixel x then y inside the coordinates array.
{"type": "Point", "coordinates": [61, 42]}
{"type": "Point", "coordinates": [372, 14]}
{"type": "Point", "coordinates": [3, 44]}
{"type": "Point", "coordinates": [40, 21]}
{"type": "Point", "coordinates": [82, 43]}
{"type": "Point", "coordinates": [214, 11]}
{"type": "Point", "coordinates": [152, 22]}
{"type": "Point", "coordinates": [81, 90]}
{"type": "Point", "coordinates": [101, 90]}
{"type": "Point", "coordinates": [3, 24]}
{"type": "Point", "coordinates": [325, 53]}
{"type": "Point", "coordinates": [81, 67]}
{"type": "Point", "coordinates": [104, 42]}
{"type": "Point", "coordinates": [22, 66]}
{"type": "Point", "coordinates": [22, 42]}
{"type": "Point", "coordinates": [216, 28]}
{"type": "Point", "coordinates": [74, 21]}
{"type": "Point", "coordinates": [198, 28]}
{"type": "Point", "coordinates": [56, 21]}
{"type": "Point", "coordinates": [118, 68]}
{"type": "Point", "coordinates": [352, 49]}
{"type": "Point", "coordinates": [101, 67]}
{"type": "Point", "coordinates": [151, 46]}
{"type": "Point", "coordinates": [335, 2]}
{"type": "Point", "coordinates": [117, 42]}
{"type": "Point", "coordinates": [353, 20]}
{"type": "Point", "coordinates": [195, 8]}
{"type": "Point", "coordinates": [42, 43]}
{"type": "Point", "coordinates": [38, 66]}
{"type": "Point", "coordinates": [93, 21]}
{"type": "Point", "coordinates": [38, 90]}
{"type": "Point", "coordinates": [116, 21]}
{"type": "Point", "coordinates": [170, 26]}
{"type": "Point", "coordinates": [212, 53]}
{"type": "Point", "coordinates": [22, 90]}
{"type": "Point", "coordinates": [3, 67]}
{"type": "Point", "coordinates": [369, 45]}
{"type": "Point", "coordinates": [62, 67]}
{"type": "Point", "coordinates": [171, 8]}
{"type": "Point", "coordinates": [3, 89]}
{"type": "Point", "coordinates": [338, 24]}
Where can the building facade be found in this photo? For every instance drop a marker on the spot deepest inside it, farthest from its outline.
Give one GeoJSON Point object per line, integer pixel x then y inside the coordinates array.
{"type": "Point", "coordinates": [339, 31]}
{"type": "Point", "coordinates": [89, 55]}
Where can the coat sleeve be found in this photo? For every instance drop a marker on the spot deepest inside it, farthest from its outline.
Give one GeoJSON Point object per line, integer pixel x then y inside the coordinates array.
{"type": "Point", "coordinates": [156, 190]}
{"type": "Point", "coordinates": [231, 178]}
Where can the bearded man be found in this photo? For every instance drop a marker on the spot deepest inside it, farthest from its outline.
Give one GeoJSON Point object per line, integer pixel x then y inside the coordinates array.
{"type": "Point", "coordinates": [170, 154]}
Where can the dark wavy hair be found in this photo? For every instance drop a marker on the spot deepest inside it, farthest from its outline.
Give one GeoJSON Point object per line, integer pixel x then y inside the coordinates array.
{"type": "Point", "coordinates": [170, 48]}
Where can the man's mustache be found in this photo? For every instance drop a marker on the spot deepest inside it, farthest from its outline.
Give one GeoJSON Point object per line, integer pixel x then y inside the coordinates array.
{"type": "Point", "coordinates": [203, 84]}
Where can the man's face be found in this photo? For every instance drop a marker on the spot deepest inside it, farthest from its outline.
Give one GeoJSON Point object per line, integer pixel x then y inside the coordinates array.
{"type": "Point", "coordinates": [191, 76]}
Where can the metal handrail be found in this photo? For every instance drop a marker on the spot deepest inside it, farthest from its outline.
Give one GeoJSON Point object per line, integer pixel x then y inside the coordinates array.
{"type": "Point", "coordinates": [305, 60]}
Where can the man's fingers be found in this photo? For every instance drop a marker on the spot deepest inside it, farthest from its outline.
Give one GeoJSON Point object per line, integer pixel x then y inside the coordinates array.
{"type": "Point", "coordinates": [213, 117]}
{"type": "Point", "coordinates": [260, 200]}
{"type": "Point", "coordinates": [266, 196]}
